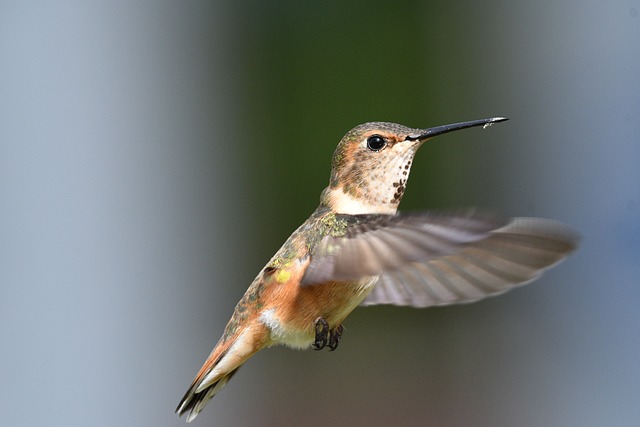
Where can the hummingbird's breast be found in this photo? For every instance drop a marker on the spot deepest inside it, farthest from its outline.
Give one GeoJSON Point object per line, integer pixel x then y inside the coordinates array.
{"type": "Point", "coordinates": [289, 309]}
{"type": "Point", "coordinates": [295, 309]}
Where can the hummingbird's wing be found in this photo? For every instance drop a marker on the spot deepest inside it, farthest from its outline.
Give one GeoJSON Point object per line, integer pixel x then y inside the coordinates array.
{"type": "Point", "coordinates": [510, 256]}
{"type": "Point", "coordinates": [436, 259]}
{"type": "Point", "coordinates": [368, 245]}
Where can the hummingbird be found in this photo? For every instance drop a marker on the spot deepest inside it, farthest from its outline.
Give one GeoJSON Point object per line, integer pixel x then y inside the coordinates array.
{"type": "Point", "coordinates": [357, 249]}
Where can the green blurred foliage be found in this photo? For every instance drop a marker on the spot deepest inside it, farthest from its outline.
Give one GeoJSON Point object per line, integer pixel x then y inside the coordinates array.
{"type": "Point", "coordinates": [309, 72]}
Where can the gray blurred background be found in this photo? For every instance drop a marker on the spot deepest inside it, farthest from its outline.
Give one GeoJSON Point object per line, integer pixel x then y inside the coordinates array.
{"type": "Point", "coordinates": [154, 155]}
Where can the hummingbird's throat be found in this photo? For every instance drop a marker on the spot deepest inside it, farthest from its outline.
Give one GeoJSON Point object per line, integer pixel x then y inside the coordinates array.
{"type": "Point", "coordinates": [377, 191]}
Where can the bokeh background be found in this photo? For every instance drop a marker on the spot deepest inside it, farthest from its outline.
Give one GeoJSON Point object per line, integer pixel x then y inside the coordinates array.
{"type": "Point", "coordinates": [155, 154]}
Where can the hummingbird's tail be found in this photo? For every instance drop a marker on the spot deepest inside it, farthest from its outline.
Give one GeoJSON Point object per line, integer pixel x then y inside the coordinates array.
{"type": "Point", "coordinates": [223, 362]}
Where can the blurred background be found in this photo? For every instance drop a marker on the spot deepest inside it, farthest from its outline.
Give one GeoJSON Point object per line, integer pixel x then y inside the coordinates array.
{"type": "Point", "coordinates": [154, 155]}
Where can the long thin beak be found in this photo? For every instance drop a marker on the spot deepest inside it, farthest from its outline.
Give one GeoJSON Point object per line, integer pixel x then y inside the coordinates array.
{"type": "Point", "coordinates": [439, 130]}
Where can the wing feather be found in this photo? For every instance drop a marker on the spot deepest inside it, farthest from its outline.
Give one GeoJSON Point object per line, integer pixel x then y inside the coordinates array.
{"type": "Point", "coordinates": [510, 256]}
{"type": "Point", "coordinates": [426, 259]}
{"type": "Point", "coordinates": [373, 244]}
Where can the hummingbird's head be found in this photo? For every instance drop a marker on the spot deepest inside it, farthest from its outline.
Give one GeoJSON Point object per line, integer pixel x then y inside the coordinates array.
{"type": "Point", "coordinates": [370, 168]}
{"type": "Point", "coordinates": [371, 165]}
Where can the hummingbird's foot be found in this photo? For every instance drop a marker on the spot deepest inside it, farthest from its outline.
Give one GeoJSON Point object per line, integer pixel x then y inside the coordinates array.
{"type": "Point", "coordinates": [322, 334]}
{"type": "Point", "coordinates": [334, 337]}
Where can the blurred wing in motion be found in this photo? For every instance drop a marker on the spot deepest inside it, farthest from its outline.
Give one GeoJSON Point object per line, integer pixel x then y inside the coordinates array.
{"type": "Point", "coordinates": [511, 256]}
{"type": "Point", "coordinates": [373, 244]}
{"type": "Point", "coordinates": [431, 259]}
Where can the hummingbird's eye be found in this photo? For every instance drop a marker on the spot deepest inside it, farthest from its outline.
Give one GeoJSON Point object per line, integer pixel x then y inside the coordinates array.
{"type": "Point", "coordinates": [376, 143]}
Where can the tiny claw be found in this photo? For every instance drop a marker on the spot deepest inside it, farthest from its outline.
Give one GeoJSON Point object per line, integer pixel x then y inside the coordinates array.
{"type": "Point", "coordinates": [322, 334]}
{"type": "Point", "coordinates": [334, 337]}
